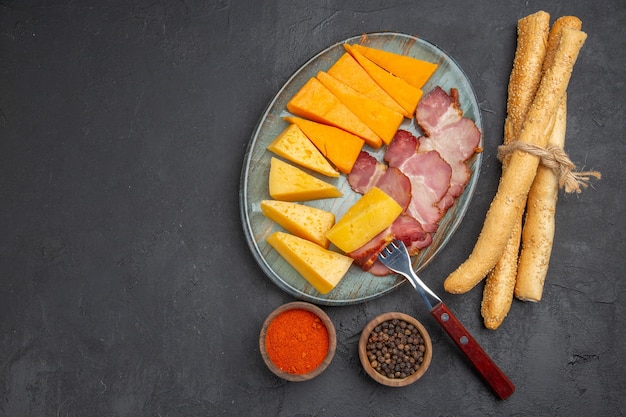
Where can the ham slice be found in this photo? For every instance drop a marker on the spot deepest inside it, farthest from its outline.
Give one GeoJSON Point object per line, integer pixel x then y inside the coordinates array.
{"type": "Point", "coordinates": [404, 228]}
{"type": "Point", "coordinates": [368, 172]}
{"type": "Point", "coordinates": [454, 137]}
{"type": "Point", "coordinates": [365, 173]}
{"type": "Point", "coordinates": [429, 175]}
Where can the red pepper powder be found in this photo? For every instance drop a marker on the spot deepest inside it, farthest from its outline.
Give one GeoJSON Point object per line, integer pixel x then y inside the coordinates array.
{"type": "Point", "coordinates": [297, 341]}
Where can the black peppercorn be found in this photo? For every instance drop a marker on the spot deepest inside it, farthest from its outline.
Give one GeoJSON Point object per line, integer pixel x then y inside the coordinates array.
{"type": "Point", "coordinates": [398, 350]}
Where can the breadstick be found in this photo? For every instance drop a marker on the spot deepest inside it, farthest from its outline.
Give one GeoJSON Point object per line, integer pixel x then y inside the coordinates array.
{"type": "Point", "coordinates": [532, 34]}
{"type": "Point", "coordinates": [517, 178]}
{"type": "Point", "coordinates": [500, 283]}
{"type": "Point", "coordinates": [538, 233]}
{"type": "Point", "coordinates": [554, 38]}
{"type": "Point", "coordinates": [532, 39]}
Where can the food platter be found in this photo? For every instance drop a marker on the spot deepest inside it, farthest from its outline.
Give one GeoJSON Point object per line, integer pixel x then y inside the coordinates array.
{"type": "Point", "coordinates": [357, 286]}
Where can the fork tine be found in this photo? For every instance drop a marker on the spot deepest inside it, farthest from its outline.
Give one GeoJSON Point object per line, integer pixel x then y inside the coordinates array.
{"type": "Point", "coordinates": [394, 243]}
{"type": "Point", "coordinates": [389, 250]}
{"type": "Point", "coordinates": [396, 257]}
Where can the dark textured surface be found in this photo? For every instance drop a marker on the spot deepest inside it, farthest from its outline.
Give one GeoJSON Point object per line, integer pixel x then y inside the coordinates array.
{"type": "Point", "coordinates": [126, 285]}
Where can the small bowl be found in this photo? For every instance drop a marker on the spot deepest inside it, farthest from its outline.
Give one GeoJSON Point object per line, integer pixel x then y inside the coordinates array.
{"type": "Point", "coordinates": [332, 341]}
{"type": "Point", "coordinates": [378, 377]}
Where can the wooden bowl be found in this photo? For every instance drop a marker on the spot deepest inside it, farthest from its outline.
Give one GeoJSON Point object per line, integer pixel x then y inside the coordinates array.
{"type": "Point", "coordinates": [332, 341]}
{"type": "Point", "coordinates": [379, 377]}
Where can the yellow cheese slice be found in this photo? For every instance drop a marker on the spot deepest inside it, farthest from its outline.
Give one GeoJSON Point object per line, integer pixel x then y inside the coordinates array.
{"type": "Point", "coordinates": [348, 71]}
{"type": "Point", "coordinates": [381, 119]}
{"type": "Point", "coordinates": [307, 222]}
{"type": "Point", "coordinates": [340, 147]}
{"type": "Point", "coordinates": [315, 102]}
{"type": "Point", "coordinates": [369, 216]}
{"type": "Point", "coordinates": [293, 145]}
{"type": "Point", "coordinates": [290, 183]}
{"type": "Point", "coordinates": [412, 70]}
{"type": "Point", "coordinates": [322, 268]}
{"type": "Point", "coordinates": [404, 93]}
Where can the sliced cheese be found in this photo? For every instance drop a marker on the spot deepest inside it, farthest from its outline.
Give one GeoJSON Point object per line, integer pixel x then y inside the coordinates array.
{"type": "Point", "coordinates": [404, 93]}
{"type": "Point", "coordinates": [315, 102]}
{"type": "Point", "coordinates": [348, 71]}
{"type": "Point", "coordinates": [293, 145]}
{"type": "Point", "coordinates": [322, 268]}
{"type": "Point", "coordinates": [369, 216]}
{"type": "Point", "coordinates": [412, 70]}
{"type": "Point", "coordinates": [381, 119]}
{"type": "Point", "coordinates": [290, 183]}
{"type": "Point", "coordinates": [340, 147]}
{"type": "Point", "coordinates": [307, 222]}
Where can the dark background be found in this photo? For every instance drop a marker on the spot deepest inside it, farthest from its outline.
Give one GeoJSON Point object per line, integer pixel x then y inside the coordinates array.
{"type": "Point", "coordinates": [126, 285]}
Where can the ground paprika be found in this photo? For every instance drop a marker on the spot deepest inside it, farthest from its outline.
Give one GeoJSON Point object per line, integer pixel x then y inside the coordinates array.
{"type": "Point", "coordinates": [297, 341]}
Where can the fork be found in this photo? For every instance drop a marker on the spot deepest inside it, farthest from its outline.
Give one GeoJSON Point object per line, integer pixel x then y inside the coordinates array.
{"type": "Point", "coordinates": [396, 257]}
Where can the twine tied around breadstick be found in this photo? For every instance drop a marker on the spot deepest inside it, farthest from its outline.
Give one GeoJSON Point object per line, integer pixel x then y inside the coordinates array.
{"type": "Point", "coordinates": [555, 158]}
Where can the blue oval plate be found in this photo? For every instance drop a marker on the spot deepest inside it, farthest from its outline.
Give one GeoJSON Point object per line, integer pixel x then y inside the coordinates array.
{"type": "Point", "coordinates": [357, 286]}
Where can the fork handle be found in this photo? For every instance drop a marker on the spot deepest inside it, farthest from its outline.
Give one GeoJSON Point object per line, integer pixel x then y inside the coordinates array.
{"type": "Point", "coordinates": [486, 367]}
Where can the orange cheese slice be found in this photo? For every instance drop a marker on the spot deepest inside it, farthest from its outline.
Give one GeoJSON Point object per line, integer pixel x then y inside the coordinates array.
{"type": "Point", "coordinates": [340, 147]}
{"type": "Point", "coordinates": [315, 102]}
{"type": "Point", "coordinates": [412, 70]}
{"type": "Point", "coordinates": [322, 268]}
{"type": "Point", "coordinates": [290, 183]}
{"type": "Point", "coordinates": [348, 71]}
{"type": "Point", "coordinates": [402, 92]}
{"type": "Point", "coordinates": [381, 119]}
{"type": "Point", "coordinates": [310, 223]}
{"type": "Point", "coordinates": [293, 145]}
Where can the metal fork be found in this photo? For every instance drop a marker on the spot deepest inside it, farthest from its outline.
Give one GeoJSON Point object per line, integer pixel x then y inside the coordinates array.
{"type": "Point", "coordinates": [396, 257]}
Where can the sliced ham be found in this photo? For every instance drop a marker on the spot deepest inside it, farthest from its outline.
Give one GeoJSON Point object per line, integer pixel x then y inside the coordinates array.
{"type": "Point", "coordinates": [365, 173]}
{"type": "Point", "coordinates": [454, 137]}
{"type": "Point", "coordinates": [424, 175]}
{"type": "Point", "coordinates": [430, 179]}
{"type": "Point", "coordinates": [429, 175]}
{"type": "Point", "coordinates": [368, 172]}
{"type": "Point", "coordinates": [403, 146]}
{"type": "Point", "coordinates": [404, 228]}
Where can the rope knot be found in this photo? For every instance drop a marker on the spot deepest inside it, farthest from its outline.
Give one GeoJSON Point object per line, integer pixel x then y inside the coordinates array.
{"type": "Point", "coordinates": [554, 158]}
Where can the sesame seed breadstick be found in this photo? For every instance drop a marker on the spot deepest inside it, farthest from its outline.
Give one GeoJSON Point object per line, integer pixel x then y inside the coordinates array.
{"type": "Point", "coordinates": [500, 283]}
{"type": "Point", "coordinates": [539, 226]}
{"type": "Point", "coordinates": [532, 34]}
{"type": "Point", "coordinates": [517, 178]}
{"type": "Point", "coordinates": [532, 40]}
{"type": "Point", "coordinates": [554, 38]}
{"type": "Point", "coordinates": [538, 233]}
